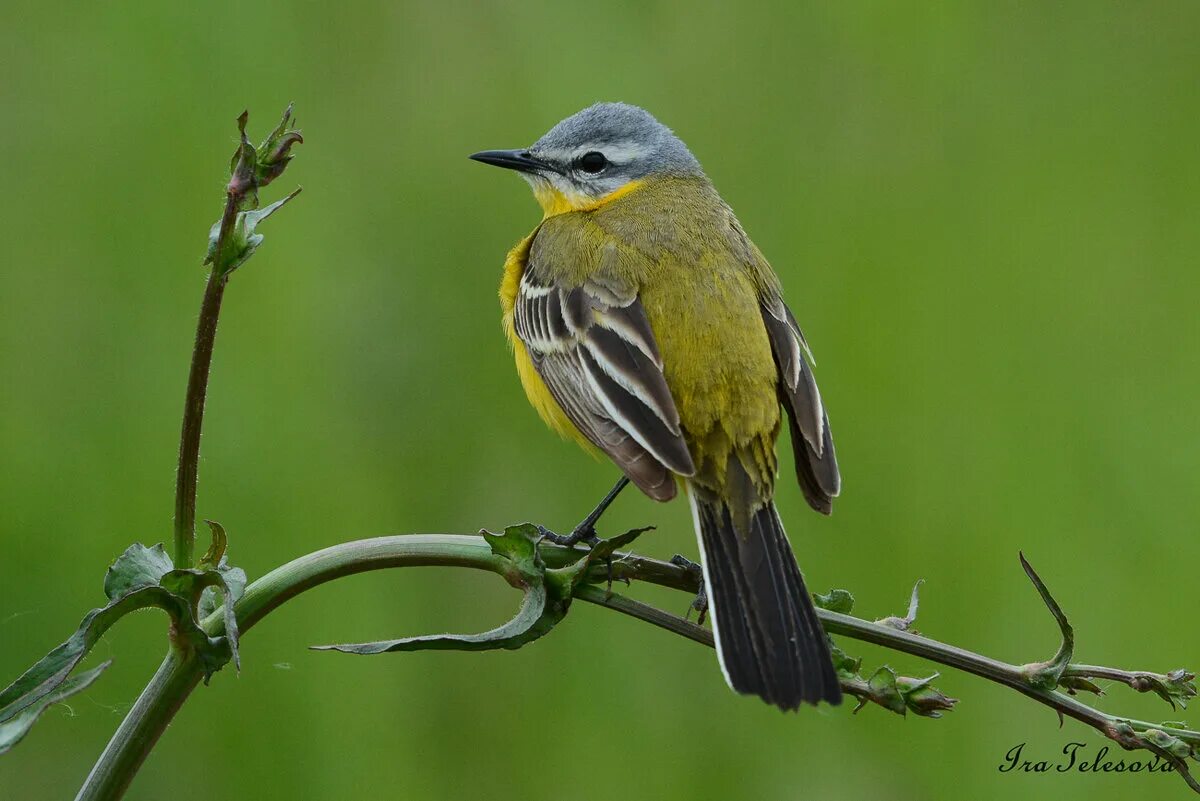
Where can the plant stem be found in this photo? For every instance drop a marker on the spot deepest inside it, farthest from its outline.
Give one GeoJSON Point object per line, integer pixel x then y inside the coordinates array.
{"type": "Point", "coordinates": [197, 390]}
{"type": "Point", "coordinates": [179, 675]}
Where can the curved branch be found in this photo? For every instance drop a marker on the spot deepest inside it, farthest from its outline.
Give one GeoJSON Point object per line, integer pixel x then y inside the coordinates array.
{"type": "Point", "coordinates": [179, 675]}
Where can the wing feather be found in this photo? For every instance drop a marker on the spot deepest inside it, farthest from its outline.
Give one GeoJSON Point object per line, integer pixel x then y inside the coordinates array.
{"type": "Point", "coordinates": [594, 349]}
{"type": "Point", "coordinates": [812, 442]}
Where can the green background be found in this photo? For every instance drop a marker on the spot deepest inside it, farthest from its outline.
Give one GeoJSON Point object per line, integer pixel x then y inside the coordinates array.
{"type": "Point", "coordinates": [984, 215]}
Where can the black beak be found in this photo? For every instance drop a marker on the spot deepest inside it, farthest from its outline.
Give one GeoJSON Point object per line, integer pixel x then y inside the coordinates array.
{"type": "Point", "coordinates": [520, 160]}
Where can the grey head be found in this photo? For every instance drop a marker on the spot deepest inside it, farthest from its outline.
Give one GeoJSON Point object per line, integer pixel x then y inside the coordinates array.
{"type": "Point", "coordinates": [595, 152]}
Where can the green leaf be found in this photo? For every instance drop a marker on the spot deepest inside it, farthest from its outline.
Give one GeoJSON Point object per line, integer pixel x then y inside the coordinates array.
{"type": "Point", "coordinates": [884, 689]}
{"type": "Point", "coordinates": [1045, 675]}
{"type": "Point", "coordinates": [1177, 686]}
{"type": "Point", "coordinates": [140, 577]}
{"type": "Point", "coordinates": [208, 581]}
{"type": "Point", "coordinates": [840, 601]}
{"type": "Point", "coordinates": [547, 596]}
{"type": "Point", "coordinates": [1073, 684]}
{"type": "Point", "coordinates": [517, 546]}
{"type": "Point", "coordinates": [593, 566]}
{"type": "Point", "coordinates": [526, 626]}
{"type": "Point", "coordinates": [842, 662]}
{"type": "Point", "coordinates": [14, 728]}
{"type": "Point", "coordinates": [243, 238]}
{"type": "Point", "coordinates": [138, 567]}
{"type": "Point", "coordinates": [231, 589]}
{"type": "Point", "coordinates": [52, 670]}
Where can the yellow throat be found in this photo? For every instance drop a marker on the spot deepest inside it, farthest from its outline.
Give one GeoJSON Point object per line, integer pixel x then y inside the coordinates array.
{"type": "Point", "coordinates": [553, 201]}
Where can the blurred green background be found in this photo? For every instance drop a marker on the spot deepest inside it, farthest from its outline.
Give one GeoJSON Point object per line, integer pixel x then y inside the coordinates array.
{"type": "Point", "coordinates": [984, 215]}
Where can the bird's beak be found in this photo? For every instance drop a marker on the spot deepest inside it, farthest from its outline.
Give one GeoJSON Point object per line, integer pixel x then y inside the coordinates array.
{"type": "Point", "coordinates": [520, 160]}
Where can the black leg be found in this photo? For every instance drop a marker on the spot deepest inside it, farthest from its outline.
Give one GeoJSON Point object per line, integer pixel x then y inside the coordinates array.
{"type": "Point", "coordinates": [586, 530]}
{"type": "Point", "coordinates": [700, 602]}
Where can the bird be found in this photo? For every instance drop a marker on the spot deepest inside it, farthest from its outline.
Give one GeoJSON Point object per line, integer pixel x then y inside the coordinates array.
{"type": "Point", "coordinates": [646, 326]}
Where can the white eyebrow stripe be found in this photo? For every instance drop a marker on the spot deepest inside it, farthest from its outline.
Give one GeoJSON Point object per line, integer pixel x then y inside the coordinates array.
{"type": "Point", "coordinates": [617, 152]}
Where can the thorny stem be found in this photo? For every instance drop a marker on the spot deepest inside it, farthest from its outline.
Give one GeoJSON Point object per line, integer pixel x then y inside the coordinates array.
{"type": "Point", "coordinates": [178, 676]}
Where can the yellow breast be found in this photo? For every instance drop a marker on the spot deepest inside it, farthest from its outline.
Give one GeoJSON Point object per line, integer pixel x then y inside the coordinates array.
{"type": "Point", "coordinates": [702, 302]}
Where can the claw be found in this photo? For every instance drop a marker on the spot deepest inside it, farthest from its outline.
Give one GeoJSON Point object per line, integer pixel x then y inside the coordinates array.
{"type": "Point", "coordinates": [700, 602]}
{"type": "Point", "coordinates": [585, 534]}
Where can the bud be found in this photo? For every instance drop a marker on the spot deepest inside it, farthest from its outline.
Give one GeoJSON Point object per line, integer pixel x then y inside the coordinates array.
{"type": "Point", "coordinates": [1073, 684]}
{"type": "Point", "coordinates": [1166, 743]}
{"type": "Point", "coordinates": [252, 168]}
{"type": "Point", "coordinates": [275, 151]}
{"type": "Point", "coordinates": [923, 698]}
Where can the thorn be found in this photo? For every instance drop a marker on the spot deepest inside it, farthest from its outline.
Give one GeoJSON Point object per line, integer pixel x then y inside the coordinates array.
{"type": "Point", "coordinates": [912, 602]}
{"type": "Point", "coordinates": [1065, 650]}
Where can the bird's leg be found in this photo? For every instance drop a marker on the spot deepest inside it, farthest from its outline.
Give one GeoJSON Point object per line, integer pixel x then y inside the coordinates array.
{"type": "Point", "coordinates": [586, 530]}
{"type": "Point", "coordinates": [700, 602]}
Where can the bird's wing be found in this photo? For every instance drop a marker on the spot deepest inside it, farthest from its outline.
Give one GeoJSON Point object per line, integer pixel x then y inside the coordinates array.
{"type": "Point", "coordinates": [812, 444]}
{"type": "Point", "coordinates": [593, 347]}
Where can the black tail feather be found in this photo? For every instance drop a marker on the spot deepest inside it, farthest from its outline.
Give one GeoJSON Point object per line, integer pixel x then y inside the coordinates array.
{"type": "Point", "coordinates": [769, 639]}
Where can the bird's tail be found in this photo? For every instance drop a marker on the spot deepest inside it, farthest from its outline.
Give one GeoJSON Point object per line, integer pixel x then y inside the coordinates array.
{"type": "Point", "coordinates": [769, 640]}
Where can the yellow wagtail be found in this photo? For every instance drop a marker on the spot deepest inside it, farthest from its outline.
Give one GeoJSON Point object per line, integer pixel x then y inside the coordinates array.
{"type": "Point", "coordinates": [645, 323]}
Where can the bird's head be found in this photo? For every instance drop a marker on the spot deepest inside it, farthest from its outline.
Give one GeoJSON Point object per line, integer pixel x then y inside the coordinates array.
{"type": "Point", "coordinates": [595, 155]}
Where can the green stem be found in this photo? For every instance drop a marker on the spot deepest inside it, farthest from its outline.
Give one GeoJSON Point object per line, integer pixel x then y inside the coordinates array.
{"type": "Point", "coordinates": [193, 412]}
{"type": "Point", "coordinates": [178, 675]}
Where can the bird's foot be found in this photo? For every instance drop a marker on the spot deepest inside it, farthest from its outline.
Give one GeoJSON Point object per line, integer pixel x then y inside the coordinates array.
{"type": "Point", "coordinates": [581, 533]}
{"type": "Point", "coordinates": [700, 602]}
{"type": "Point", "coordinates": [586, 535]}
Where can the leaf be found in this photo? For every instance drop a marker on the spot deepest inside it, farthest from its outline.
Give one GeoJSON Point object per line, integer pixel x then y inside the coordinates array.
{"type": "Point", "coordinates": [905, 623]}
{"type": "Point", "coordinates": [526, 626]}
{"type": "Point", "coordinates": [517, 546]}
{"type": "Point", "coordinates": [243, 237]}
{"type": "Point", "coordinates": [547, 596]}
{"type": "Point", "coordinates": [140, 577]}
{"type": "Point", "coordinates": [1073, 684]}
{"type": "Point", "coordinates": [138, 567]}
{"type": "Point", "coordinates": [209, 580]}
{"type": "Point", "coordinates": [886, 693]}
{"type": "Point", "coordinates": [595, 565]}
{"type": "Point", "coordinates": [13, 729]}
{"type": "Point", "coordinates": [1045, 675]}
{"type": "Point", "coordinates": [215, 555]}
{"type": "Point", "coordinates": [1178, 685]}
{"type": "Point", "coordinates": [840, 601]}
{"type": "Point", "coordinates": [52, 670]}
{"type": "Point", "coordinates": [842, 662]}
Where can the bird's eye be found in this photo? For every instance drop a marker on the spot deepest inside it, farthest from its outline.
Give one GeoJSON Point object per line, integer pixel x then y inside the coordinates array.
{"type": "Point", "coordinates": [592, 162]}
